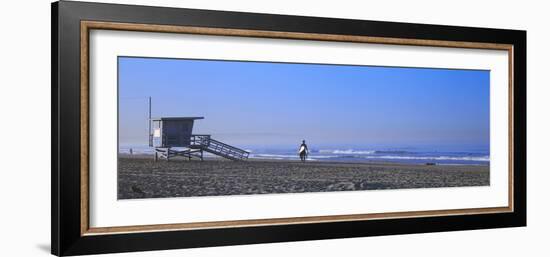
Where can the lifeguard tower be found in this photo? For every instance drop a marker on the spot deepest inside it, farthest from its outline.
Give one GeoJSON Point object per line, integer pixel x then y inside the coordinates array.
{"type": "Point", "coordinates": [177, 132]}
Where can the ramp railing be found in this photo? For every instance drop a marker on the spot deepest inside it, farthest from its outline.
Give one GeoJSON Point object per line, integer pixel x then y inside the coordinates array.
{"type": "Point", "coordinates": [208, 144]}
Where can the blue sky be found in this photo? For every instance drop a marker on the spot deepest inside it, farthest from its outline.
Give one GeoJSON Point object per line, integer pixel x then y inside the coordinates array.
{"type": "Point", "coordinates": [258, 104]}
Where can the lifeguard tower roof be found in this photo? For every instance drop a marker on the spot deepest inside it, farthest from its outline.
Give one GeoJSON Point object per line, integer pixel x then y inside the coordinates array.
{"type": "Point", "coordinates": [177, 118]}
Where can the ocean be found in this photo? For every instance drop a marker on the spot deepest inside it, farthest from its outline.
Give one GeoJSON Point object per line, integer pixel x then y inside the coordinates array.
{"type": "Point", "coordinates": [394, 155]}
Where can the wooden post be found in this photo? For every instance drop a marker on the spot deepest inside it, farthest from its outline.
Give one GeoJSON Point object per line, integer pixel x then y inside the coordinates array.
{"type": "Point", "coordinates": [156, 155]}
{"type": "Point", "coordinates": [150, 135]}
{"type": "Point", "coordinates": [168, 154]}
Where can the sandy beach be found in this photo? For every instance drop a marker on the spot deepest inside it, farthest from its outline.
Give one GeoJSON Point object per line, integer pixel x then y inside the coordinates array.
{"type": "Point", "coordinates": [141, 177]}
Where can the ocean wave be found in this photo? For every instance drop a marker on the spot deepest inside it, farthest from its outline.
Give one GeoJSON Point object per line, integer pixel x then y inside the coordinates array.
{"type": "Point", "coordinates": [352, 151]}
{"type": "Point", "coordinates": [348, 151]}
{"type": "Point", "coordinates": [380, 157]}
{"type": "Point", "coordinates": [439, 158]}
{"type": "Point", "coordinates": [392, 152]}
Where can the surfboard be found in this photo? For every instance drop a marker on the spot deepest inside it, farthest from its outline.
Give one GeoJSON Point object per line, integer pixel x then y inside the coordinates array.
{"type": "Point", "coordinates": [302, 148]}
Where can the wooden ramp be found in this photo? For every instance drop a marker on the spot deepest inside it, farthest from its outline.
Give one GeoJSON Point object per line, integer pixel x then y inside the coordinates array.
{"type": "Point", "coordinates": [210, 145]}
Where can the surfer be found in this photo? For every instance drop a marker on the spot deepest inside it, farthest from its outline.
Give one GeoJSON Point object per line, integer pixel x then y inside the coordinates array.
{"type": "Point", "coordinates": [303, 151]}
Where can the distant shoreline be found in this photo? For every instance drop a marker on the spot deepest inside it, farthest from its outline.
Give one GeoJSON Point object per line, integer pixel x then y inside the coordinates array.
{"type": "Point", "coordinates": [409, 155]}
{"type": "Point", "coordinates": [256, 159]}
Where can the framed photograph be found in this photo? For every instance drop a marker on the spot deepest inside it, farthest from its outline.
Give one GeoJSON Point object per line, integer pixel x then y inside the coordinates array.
{"type": "Point", "coordinates": [178, 128]}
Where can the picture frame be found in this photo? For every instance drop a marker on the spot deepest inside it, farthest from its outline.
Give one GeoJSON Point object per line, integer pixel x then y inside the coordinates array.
{"type": "Point", "coordinates": [71, 26]}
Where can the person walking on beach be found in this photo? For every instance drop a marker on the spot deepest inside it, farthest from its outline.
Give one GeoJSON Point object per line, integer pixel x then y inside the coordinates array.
{"type": "Point", "coordinates": [303, 151]}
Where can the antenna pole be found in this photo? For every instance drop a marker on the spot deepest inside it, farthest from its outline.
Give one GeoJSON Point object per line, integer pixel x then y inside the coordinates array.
{"type": "Point", "coordinates": [150, 135]}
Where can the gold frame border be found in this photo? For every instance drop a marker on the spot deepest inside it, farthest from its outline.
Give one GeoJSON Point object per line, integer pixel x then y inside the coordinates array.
{"type": "Point", "coordinates": [86, 26]}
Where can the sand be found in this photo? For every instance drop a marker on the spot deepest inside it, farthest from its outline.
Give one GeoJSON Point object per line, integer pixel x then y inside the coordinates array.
{"type": "Point", "coordinates": [141, 177]}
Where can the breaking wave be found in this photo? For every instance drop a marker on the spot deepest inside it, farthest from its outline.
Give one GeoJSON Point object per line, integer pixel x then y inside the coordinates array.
{"type": "Point", "coordinates": [354, 155]}
{"type": "Point", "coordinates": [348, 151]}
{"type": "Point", "coordinates": [440, 158]}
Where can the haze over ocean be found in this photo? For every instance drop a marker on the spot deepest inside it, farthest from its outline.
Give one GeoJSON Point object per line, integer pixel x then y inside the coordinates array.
{"type": "Point", "coordinates": [359, 113]}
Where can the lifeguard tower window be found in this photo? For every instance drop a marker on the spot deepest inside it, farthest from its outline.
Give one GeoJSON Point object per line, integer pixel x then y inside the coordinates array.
{"type": "Point", "coordinates": [172, 132]}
